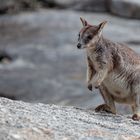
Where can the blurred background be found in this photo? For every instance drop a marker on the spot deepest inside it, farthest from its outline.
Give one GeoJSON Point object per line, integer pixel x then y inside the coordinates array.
{"type": "Point", "coordinates": [39, 61]}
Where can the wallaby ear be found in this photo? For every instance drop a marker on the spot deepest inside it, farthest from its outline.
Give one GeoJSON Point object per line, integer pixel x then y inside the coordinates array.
{"type": "Point", "coordinates": [101, 25]}
{"type": "Point", "coordinates": [84, 22]}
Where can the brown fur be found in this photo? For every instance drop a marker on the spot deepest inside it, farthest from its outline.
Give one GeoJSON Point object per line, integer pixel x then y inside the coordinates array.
{"type": "Point", "coordinates": [112, 67]}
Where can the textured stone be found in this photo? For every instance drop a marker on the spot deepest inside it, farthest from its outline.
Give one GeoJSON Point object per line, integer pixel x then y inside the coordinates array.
{"type": "Point", "coordinates": [24, 121]}
{"type": "Point", "coordinates": [125, 8]}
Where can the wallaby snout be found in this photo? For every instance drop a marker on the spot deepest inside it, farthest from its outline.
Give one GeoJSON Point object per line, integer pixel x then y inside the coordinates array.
{"type": "Point", "coordinates": [79, 46]}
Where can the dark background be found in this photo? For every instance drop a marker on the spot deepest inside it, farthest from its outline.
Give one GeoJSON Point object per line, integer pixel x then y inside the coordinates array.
{"type": "Point", "coordinates": [39, 61]}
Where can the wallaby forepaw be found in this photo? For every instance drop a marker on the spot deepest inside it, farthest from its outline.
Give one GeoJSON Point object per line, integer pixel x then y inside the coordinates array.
{"type": "Point", "coordinates": [97, 84]}
{"type": "Point", "coordinates": [96, 87]}
{"type": "Point", "coordinates": [136, 117]}
{"type": "Point", "coordinates": [103, 108]}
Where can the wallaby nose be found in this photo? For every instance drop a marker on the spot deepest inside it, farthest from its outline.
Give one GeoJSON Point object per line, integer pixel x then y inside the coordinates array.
{"type": "Point", "coordinates": [78, 45]}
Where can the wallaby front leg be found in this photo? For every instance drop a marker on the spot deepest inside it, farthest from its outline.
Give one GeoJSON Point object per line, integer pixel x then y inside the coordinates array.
{"type": "Point", "coordinates": [101, 68]}
{"type": "Point", "coordinates": [90, 73]}
{"type": "Point", "coordinates": [99, 77]}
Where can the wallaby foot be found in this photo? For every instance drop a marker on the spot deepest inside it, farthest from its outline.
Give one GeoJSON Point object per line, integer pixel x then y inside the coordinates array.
{"type": "Point", "coordinates": [104, 107]}
{"type": "Point", "coordinates": [136, 108]}
{"type": "Point", "coordinates": [136, 117]}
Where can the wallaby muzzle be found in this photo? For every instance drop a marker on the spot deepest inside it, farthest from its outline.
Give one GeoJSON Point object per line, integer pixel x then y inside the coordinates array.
{"type": "Point", "coordinates": [79, 45]}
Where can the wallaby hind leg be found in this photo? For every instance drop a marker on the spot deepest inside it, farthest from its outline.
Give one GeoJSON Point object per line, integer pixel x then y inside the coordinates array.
{"type": "Point", "coordinates": [109, 105]}
{"type": "Point", "coordinates": [136, 108]}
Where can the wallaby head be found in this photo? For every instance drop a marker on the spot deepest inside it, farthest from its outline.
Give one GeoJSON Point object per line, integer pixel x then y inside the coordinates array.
{"type": "Point", "coordinates": [89, 34]}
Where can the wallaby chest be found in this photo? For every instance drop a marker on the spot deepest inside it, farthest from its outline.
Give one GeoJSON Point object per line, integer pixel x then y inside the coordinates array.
{"type": "Point", "coordinates": [116, 85]}
{"type": "Point", "coordinates": [97, 57]}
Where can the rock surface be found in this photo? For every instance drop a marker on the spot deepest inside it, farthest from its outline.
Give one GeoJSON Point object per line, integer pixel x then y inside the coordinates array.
{"type": "Point", "coordinates": [12, 6]}
{"type": "Point", "coordinates": [45, 65]}
{"type": "Point", "coordinates": [125, 8]}
{"type": "Point", "coordinates": [85, 5]}
{"type": "Point", "coordinates": [15, 6]}
{"type": "Point", "coordinates": [24, 121]}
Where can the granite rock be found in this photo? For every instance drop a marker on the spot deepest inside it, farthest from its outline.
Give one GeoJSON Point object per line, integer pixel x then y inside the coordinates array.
{"type": "Point", "coordinates": [24, 121]}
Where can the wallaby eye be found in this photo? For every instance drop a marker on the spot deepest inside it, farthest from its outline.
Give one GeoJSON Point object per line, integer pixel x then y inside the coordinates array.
{"type": "Point", "coordinates": [89, 37]}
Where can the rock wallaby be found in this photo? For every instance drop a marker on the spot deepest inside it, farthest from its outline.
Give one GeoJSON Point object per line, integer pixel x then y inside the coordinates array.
{"type": "Point", "coordinates": [113, 68]}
